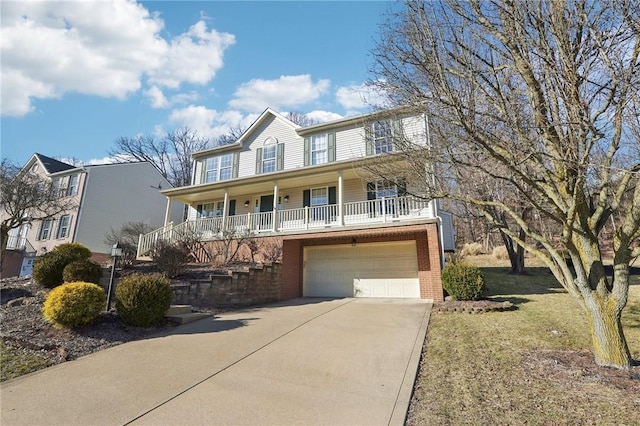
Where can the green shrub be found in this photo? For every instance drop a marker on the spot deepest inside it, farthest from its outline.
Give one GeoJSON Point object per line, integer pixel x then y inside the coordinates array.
{"type": "Point", "coordinates": [74, 304]}
{"type": "Point", "coordinates": [74, 251]}
{"type": "Point", "coordinates": [463, 281]}
{"type": "Point", "coordinates": [170, 258]}
{"type": "Point", "coordinates": [48, 269]}
{"type": "Point", "coordinates": [82, 270]}
{"type": "Point", "coordinates": [142, 300]}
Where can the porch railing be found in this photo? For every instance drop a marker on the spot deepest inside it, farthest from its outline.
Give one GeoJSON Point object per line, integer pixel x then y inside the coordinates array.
{"type": "Point", "coordinates": [363, 212]}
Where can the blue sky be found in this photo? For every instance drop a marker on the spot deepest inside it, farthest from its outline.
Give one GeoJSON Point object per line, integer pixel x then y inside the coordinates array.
{"type": "Point", "coordinates": [77, 75]}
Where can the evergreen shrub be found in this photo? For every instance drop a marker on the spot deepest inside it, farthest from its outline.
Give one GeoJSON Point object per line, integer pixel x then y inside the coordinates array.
{"type": "Point", "coordinates": [143, 299]}
{"type": "Point", "coordinates": [74, 304]}
{"type": "Point", "coordinates": [463, 281]}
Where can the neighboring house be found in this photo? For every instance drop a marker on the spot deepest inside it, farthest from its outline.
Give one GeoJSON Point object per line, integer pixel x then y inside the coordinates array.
{"type": "Point", "coordinates": [343, 236]}
{"type": "Point", "coordinates": [104, 197]}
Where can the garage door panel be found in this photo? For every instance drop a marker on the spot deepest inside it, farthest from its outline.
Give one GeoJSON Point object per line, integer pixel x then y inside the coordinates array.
{"type": "Point", "coordinates": [381, 270]}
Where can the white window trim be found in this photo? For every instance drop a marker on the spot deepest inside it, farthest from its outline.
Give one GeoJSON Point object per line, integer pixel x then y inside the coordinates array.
{"type": "Point", "coordinates": [271, 160]}
{"type": "Point", "coordinates": [385, 143]}
{"type": "Point", "coordinates": [326, 189]}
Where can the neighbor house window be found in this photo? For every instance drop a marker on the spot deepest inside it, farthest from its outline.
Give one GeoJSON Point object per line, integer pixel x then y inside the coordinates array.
{"type": "Point", "coordinates": [72, 188]}
{"type": "Point", "coordinates": [219, 168]}
{"type": "Point", "coordinates": [45, 229]}
{"type": "Point", "coordinates": [63, 226]}
{"type": "Point", "coordinates": [56, 188]}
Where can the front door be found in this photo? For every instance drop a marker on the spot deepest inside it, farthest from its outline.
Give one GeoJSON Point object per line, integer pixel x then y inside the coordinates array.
{"type": "Point", "coordinates": [264, 212]}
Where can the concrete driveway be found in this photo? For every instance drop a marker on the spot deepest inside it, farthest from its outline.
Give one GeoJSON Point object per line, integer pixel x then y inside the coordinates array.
{"type": "Point", "coordinates": [299, 362]}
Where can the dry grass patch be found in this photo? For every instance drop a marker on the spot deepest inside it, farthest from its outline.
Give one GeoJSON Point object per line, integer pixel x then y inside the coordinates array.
{"type": "Point", "coordinates": [527, 366]}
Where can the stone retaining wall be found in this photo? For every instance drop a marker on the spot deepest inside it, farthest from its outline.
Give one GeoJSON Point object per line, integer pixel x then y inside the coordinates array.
{"type": "Point", "coordinates": [254, 286]}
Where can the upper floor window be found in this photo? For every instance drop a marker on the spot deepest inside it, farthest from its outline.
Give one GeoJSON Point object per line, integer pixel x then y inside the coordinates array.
{"type": "Point", "coordinates": [380, 136]}
{"type": "Point", "coordinates": [56, 187]}
{"type": "Point", "coordinates": [64, 226]}
{"type": "Point", "coordinates": [320, 149]}
{"type": "Point", "coordinates": [221, 167]}
{"type": "Point", "coordinates": [269, 153]}
{"type": "Point", "coordinates": [45, 229]}
{"type": "Point", "coordinates": [72, 187]}
{"type": "Point", "coordinates": [270, 157]}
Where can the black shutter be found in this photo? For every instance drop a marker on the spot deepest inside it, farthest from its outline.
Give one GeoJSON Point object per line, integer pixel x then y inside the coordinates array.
{"type": "Point", "coordinates": [280, 157]}
{"type": "Point", "coordinates": [332, 195]}
{"type": "Point", "coordinates": [331, 147]}
{"type": "Point", "coordinates": [401, 187]}
{"type": "Point", "coordinates": [306, 198]}
{"type": "Point", "coordinates": [232, 208]}
{"type": "Point", "coordinates": [258, 161]}
{"type": "Point", "coordinates": [307, 151]}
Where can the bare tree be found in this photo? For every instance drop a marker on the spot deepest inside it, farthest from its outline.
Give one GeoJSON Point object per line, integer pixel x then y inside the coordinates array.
{"type": "Point", "coordinates": [127, 239]}
{"type": "Point", "coordinates": [230, 137]}
{"type": "Point", "coordinates": [26, 197]}
{"type": "Point", "coordinates": [171, 155]}
{"type": "Point", "coordinates": [301, 119]}
{"type": "Point", "coordinates": [538, 97]}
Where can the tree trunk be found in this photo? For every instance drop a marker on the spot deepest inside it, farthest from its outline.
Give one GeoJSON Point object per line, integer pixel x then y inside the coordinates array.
{"type": "Point", "coordinates": [4, 238]}
{"type": "Point", "coordinates": [609, 344]}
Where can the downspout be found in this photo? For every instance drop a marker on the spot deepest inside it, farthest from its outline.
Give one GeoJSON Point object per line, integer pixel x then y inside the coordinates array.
{"type": "Point", "coordinates": [433, 200]}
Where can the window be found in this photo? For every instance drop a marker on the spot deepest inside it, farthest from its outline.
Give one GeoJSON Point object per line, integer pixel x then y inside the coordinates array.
{"type": "Point", "coordinates": [319, 196]}
{"type": "Point", "coordinates": [269, 153]}
{"type": "Point", "coordinates": [56, 188]}
{"type": "Point", "coordinates": [210, 209]}
{"type": "Point", "coordinates": [270, 157]}
{"type": "Point", "coordinates": [219, 168]}
{"type": "Point", "coordinates": [382, 132]}
{"type": "Point", "coordinates": [72, 188]}
{"type": "Point", "coordinates": [386, 189]}
{"type": "Point", "coordinates": [45, 229]}
{"type": "Point", "coordinates": [319, 149]}
{"type": "Point", "coordinates": [63, 226]}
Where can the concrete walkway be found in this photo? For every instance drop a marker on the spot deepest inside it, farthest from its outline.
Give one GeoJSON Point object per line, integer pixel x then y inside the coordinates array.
{"type": "Point", "coordinates": [300, 362]}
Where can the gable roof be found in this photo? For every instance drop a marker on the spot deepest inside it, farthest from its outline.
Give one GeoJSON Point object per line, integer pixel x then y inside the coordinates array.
{"type": "Point", "coordinates": [52, 165]}
{"type": "Point", "coordinates": [239, 142]}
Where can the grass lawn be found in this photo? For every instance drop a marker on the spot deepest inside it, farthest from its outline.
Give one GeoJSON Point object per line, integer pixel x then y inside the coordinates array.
{"type": "Point", "coordinates": [527, 366]}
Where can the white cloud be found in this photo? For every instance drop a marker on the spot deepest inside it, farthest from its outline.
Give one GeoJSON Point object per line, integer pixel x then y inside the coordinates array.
{"type": "Point", "coordinates": [156, 97]}
{"type": "Point", "coordinates": [209, 122]}
{"type": "Point", "coordinates": [323, 116]}
{"type": "Point", "coordinates": [359, 97]}
{"type": "Point", "coordinates": [101, 48]}
{"type": "Point", "coordinates": [286, 91]}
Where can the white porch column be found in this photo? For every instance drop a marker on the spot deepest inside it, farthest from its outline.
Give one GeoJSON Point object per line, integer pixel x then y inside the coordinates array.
{"type": "Point", "coordinates": [167, 213]}
{"type": "Point", "coordinates": [275, 206]}
{"type": "Point", "coordinates": [225, 209]}
{"type": "Point", "coordinates": [340, 200]}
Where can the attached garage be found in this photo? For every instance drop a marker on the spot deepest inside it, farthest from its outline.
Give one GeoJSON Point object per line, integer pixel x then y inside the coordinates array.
{"type": "Point", "coordinates": [380, 269]}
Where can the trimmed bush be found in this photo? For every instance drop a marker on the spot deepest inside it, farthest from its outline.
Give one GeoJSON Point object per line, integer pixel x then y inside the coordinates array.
{"type": "Point", "coordinates": [82, 270]}
{"type": "Point", "coordinates": [463, 281]}
{"type": "Point", "coordinates": [74, 251]}
{"type": "Point", "coordinates": [74, 304]}
{"type": "Point", "coordinates": [142, 300]}
{"type": "Point", "coordinates": [48, 269]}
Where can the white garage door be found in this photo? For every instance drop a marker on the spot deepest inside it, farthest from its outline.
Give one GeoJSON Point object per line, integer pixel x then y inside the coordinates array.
{"type": "Point", "coordinates": [366, 270]}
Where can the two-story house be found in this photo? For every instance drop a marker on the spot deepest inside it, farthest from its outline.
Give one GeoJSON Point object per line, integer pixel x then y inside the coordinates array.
{"type": "Point", "coordinates": [102, 197]}
{"type": "Point", "coordinates": [343, 235]}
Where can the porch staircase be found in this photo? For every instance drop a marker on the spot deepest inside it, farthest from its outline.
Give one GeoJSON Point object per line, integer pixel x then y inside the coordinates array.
{"type": "Point", "coordinates": [182, 314]}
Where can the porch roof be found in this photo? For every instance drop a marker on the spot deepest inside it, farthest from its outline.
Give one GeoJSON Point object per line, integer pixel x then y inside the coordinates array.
{"type": "Point", "coordinates": [264, 183]}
